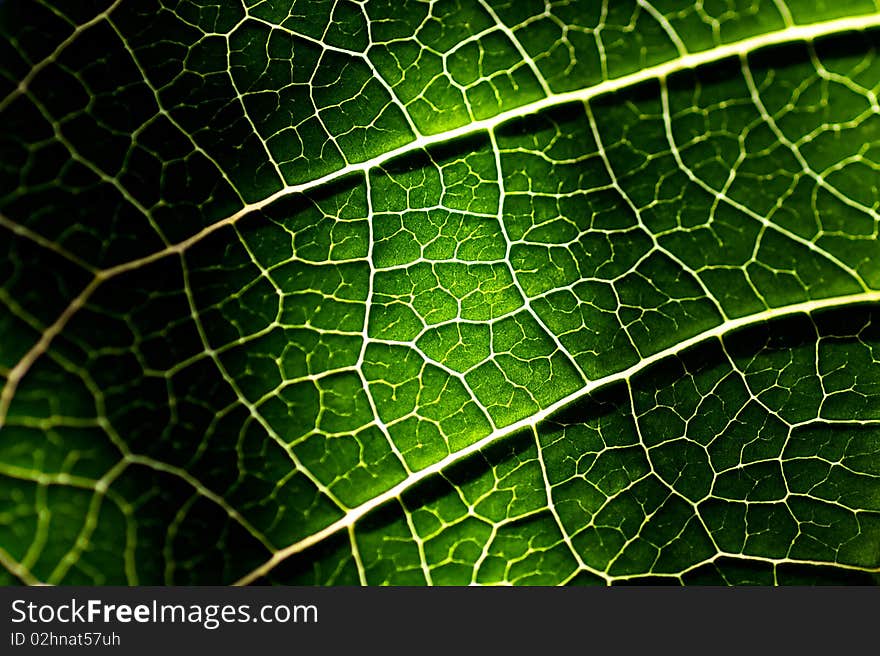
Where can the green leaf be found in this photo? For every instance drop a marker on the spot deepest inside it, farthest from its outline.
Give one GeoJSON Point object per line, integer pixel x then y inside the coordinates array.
{"type": "Point", "coordinates": [469, 291]}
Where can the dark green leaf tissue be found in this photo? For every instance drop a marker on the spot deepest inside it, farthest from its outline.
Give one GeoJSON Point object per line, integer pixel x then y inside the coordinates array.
{"type": "Point", "coordinates": [440, 293]}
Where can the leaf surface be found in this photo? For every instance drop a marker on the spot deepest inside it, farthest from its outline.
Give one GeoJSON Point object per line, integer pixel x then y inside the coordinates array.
{"type": "Point", "coordinates": [440, 293]}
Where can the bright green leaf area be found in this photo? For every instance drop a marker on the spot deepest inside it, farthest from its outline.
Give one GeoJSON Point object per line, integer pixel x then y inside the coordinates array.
{"type": "Point", "coordinates": [468, 291]}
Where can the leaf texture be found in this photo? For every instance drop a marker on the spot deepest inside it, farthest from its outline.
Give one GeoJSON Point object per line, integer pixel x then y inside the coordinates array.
{"type": "Point", "coordinates": [451, 292]}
